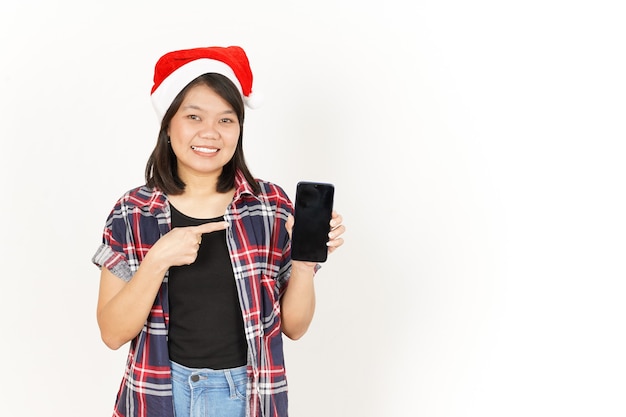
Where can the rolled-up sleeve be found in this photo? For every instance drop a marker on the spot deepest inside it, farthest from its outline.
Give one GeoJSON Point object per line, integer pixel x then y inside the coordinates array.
{"type": "Point", "coordinates": [113, 253]}
{"type": "Point", "coordinates": [113, 261]}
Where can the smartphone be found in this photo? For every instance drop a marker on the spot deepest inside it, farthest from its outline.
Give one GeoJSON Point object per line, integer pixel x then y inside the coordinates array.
{"type": "Point", "coordinates": [313, 211]}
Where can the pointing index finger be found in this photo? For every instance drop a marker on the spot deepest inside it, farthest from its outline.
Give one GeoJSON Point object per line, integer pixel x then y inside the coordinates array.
{"type": "Point", "coordinates": [211, 227]}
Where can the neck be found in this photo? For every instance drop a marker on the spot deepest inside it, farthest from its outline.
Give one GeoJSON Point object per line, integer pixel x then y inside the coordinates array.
{"type": "Point", "coordinates": [200, 185]}
{"type": "Point", "coordinates": [201, 199]}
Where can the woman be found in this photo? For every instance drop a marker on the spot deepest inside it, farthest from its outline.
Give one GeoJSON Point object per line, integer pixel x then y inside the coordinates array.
{"type": "Point", "coordinates": [195, 265]}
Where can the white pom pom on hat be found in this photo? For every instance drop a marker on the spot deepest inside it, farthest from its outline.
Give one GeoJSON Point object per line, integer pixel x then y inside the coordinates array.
{"type": "Point", "coordinates": [254, 100]}
{"type": "Point", "coordinates": [174, 70]}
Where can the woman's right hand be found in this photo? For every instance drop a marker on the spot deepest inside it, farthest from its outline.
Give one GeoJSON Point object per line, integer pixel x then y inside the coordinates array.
{"type": "Point", "coordinates": [180, 245]}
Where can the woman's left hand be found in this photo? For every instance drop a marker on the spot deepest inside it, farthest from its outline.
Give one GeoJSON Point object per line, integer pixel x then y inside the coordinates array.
{"type": "Point", "coordinates": [337, 229]}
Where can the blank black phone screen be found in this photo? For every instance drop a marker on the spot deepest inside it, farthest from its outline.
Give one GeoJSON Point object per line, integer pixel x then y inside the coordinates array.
{"type": "Point", "coordinates": [313, 211]}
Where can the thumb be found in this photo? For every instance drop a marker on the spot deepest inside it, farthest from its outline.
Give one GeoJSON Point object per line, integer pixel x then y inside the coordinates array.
{"type": "Point", "coordinates": [210, 227]}
{"type": "Point", "coordinates": [289, 224]}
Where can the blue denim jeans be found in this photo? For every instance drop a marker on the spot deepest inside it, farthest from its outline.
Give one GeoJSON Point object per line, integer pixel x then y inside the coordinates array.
{"type": "Point", "coordinates": [208, 392]}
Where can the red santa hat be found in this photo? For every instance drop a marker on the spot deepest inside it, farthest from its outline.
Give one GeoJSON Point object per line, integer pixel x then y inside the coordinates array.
{"type": "Point", "coordinates": [174, 70]}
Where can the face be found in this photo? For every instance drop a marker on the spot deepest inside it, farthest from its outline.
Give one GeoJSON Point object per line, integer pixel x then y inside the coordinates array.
{"type": "Point", "coordinates": [203, 133]}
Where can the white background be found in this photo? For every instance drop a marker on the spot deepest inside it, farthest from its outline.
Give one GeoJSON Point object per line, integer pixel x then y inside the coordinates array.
{"type": "Point", "coordinates": [477, 150]}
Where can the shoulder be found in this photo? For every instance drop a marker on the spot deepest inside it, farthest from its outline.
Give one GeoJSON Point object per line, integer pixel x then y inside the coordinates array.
{"type": "Point", "coordinates": [273, 192]}
{"type": "Point", "coordinates": [144, 198]}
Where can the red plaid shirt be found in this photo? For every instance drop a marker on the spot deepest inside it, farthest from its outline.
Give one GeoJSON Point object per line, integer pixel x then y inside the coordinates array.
{"type": "Point", "coordinates": [260, 253]}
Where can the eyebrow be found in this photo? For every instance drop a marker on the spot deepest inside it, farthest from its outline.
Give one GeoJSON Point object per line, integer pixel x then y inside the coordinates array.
{"type": "Point", "coordinates": [196, 107]}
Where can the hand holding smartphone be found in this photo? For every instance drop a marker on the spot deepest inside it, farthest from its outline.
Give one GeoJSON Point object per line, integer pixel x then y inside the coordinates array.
{"type": "Point", "coordinates": [313, 211]}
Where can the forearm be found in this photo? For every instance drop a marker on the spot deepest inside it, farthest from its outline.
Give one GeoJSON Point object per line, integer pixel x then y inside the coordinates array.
{"type": "Point", "coordinates": [123, 315]}
{"type": "Point", "coordinates": [298, 301]}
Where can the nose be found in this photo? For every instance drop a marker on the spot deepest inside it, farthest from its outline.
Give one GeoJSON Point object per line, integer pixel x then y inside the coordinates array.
{"type": "Point", "coordinates": [208, 131]}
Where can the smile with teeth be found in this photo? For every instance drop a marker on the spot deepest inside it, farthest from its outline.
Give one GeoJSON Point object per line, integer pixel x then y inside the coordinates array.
{"type": "Point", "coordinates": [204, 150]}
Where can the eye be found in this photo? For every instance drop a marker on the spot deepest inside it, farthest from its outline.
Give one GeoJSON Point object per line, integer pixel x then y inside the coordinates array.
{"type": "Point", "coordinates": [193, 117]}
{"type": "Point", "coordinates": [226, 120]}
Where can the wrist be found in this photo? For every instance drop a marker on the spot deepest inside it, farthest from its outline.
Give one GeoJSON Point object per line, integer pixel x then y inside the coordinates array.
{"type": "Point", "coordinates": [303, 267]}
{"type": "Point", "coordinates": [154, 265]}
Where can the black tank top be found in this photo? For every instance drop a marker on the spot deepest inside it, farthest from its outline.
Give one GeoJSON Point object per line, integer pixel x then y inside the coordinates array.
{"type": "Point", "coordinates": [206, 327]}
